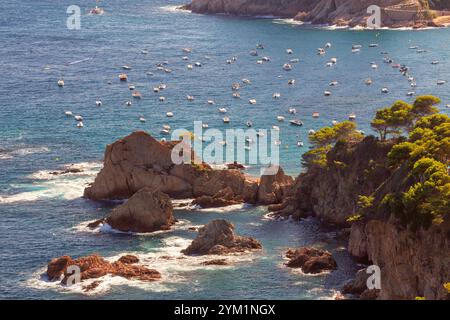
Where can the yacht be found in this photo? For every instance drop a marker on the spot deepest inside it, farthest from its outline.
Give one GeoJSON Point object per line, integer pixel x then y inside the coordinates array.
{"type": "Point", "coordinates": [296, 122]}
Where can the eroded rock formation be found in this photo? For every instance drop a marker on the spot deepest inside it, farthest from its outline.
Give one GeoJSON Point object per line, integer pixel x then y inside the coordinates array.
{"type": "Point", "coordinates": [218, 237]}
{"type": "Point", "coordinates": [147, 210]}
{"type": "Point", "coordinates": [311, 260]}
{"type": "Point", "coordinates": [94, 266]}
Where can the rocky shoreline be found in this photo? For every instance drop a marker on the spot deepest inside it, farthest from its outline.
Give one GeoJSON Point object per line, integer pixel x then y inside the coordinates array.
{"type": "Point", "coordinates": [340, 13]}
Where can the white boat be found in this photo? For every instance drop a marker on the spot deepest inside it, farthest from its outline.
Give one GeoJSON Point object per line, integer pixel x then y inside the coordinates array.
{"type": "Point", "coordinates": [97, 10]}
{"type": "Point", "coordinates": [169, 114]}
{"type": "Point", "coordinates": [205, 126]}
{"type": "Point", "coordinates": [413, 84]}
{"type": "Point", "coordinates": [226, 120]}
{"type": "Point", "coordinates": [123, 77]}
{"type": "Point", "coordinates": [410, 93]}
{"type": "Point", "coordinates": [327, 93]}
{"type": "Point", "coordinates": [61, 83]}
{"type": "Point", "coordinates": [235, 86]}
{"type": "Point", "coordinates": [187, 50]}
{"type": "Point", "coordinates": [166, 127]}
{"type": "Point", "coordinates": [162, 86]}
{"type": "Point", "coordinates": [276, 128]}
{"type": "Point", "coordinates": [276, 95]}
{"type": "Point", "coordinates": [164, 131]}
{"type": "Point", "coordinates": [229, 61]}
{"type": "Point", "coordinates": [190, 98]}
{"type": "Point", "coordinates": [435, 62]}
{"type": "Point", "coordinates": [334, 122]}
{"type": "Point", "coordinates": [198, 64]}
{"type": "Point", "coordinates": [259, 62]}
{"type": "Point", "coordinates": [295, 60]}
{"type": "Point", "coordinates": [156, 89]}
{"type": "Point", "coordinates": [252, 101]}
{"type": "Point", "coordinates": [68, 113]}
{"type": "Point", "coordinates": [249, 124]}
{"type": "Point", "coordinates": [162, 99]}
{"type": "Point", "coordinates": [441, 82]}
{"type": "Point", "coordinates": [373, 45]}
{"type": "Point", "coordinates": [211, 102]}
{"type": "Point", "coordinates": [265, 59]}
{"type": "Point", "coordinates": [300, 144]}
{"type": "Point", "coordinates": [316, 114]}
{"type": "Point", "coordinates": [190, 66]}
{"type": "Point", "coordinates": [142, 119]}
{"type": "Point", "coordinates": [287, 67]}
{"type": "Point", "coordinates": [333, 60]}
{"type": "Point", "coordinates": [320, 51]}
{"type": "Point", "coordinates": [223, 110]}
{"type": "Point", "coordinates": [128, 103]}
{"type": "Point", "coordinates": [185, 58]}
{"type": "Point", "coordinates": [329, 64]}
{"type": "Point", "coordinates": [98, 103]}
{"type": "Point", "coordinates": [144, 51]}
{"type": "Point", "coordinates": [136, 95]}
{"type": "Point", "coordinates": [246, 81]}
{"type": "Point", "coordinates": [296, 122]}
{"type": "Point", "coordinates": [311, 131]}
{"type": "Point", "coordinates": [356, 46]}
{"type": "Point", "coordinates": [260, 46]}
{"type": "Point", "coordinates": [80, 124]}
{"type": "Point", "coordinates": [260, 133]}
{"type": "Point", "coordinates": [368, 82]}
{"type": "Point", "coordinates": [374, 66]}
{"type": "Point", "coordinates": [292, 110]}
{"type": "Point", "coordinates": [385, 90]}
{"type": "Point", "coordinates": [254, 53]}
{"type": "Point", "coordinates": [131, 86]}
{"type": "Point", "coordinates": [352, 116]}
{"type": "Point", "coordinates": [280, 118]}
{"type": "Point", "coordinates": [327, 45]}
{"type": "Point", "coordinates": [78, 118]}
{"type": "Point", "coordinates": [289, 51]}
{"type": "Point", "coordinates": [291, 81]}
{"type": "Point", "coordinates": [126, 67]}
{"type": "Point", "coordinates": [356, 50]}
{"type": "Point", "coordinates": [333, 83]}
{"type": "Point", "coordinates": [236, 95]}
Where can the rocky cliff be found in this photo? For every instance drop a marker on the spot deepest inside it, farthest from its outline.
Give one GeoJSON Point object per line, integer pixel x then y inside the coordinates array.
{"type": "Point", "coordinates": [414, 262]}
{"type": "Point", "coordinates": [395, 13]}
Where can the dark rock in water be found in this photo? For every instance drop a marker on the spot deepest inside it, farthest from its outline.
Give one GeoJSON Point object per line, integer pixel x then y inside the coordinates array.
{"type": "Point", "coordinates": [146, 211]}
{"type": "Point", "coordinates": [128, 259]}
{"type": "Point", "coordinates": [94, 266]}
{"type": "Point", "coordinates": [235, 165]}
{"type": "Point", "coordinates": [192, 228]}
{"type": "Point", "coordinates": [72, 170]}
{"type": "Point", "coordinates": [358, 285]}
{"type": "Point", "coordinates": [311, 260]}
{"type": "Point", "coordinates": [91, 286]}
{"type": "Point", "coordinates": [96, 223]}
{"type": "Point", "coordinates": [224, 197]}
{"type": "Point", "coordinates": [218, 237]}
{"type": "Point", "coordinates": [216, 262]}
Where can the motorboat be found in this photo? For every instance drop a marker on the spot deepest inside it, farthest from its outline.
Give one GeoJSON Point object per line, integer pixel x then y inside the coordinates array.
{"type": "Point", "coordinates": [327, 93]}
{"type": "Point", "coordinates": [265, 59]}
{"type": "Point", "coordinates": [295, 60]}
{"type": "Point", "coordinates": [68, 113]}
{"type": "Point", "coordinates": [276, 128]}
{"type": "Point", "coordinates": [223, 110]}
{"type": "Point", "coordinates": [385, 90]}
{"type": "Point", "coordinates": [291, 81]}
{"type": "Point", "coordinates": [289, 51]}
{"type": "Point", "coordinates": [190, 66]}
{"type": "Point", "coordinates": [368, 82]}
{"type": "Point", "coordinates": [441, 82]}
{"type": "Point", "coordinates": [296, 122]}
{"type": "Point", "coordinates": [187, 50]}
{"type": "Point", "coordinates": [190, 98]}
{"type": "Point", "coordinates": [333, 83]}
{"type": "Point", "coordinates": [205, 126]}
{"type": "Point", "coordinates": [252, 101]}
{"type": "Point", "coordinates": [165, 131]}
{"type": "Point", "coordinates": [131, 86]}
{"type": "Point", "coordinates": [311, 131]}
{"type": "Point", "coordinates": [287, 67]}
{"type": "Point", "coordinates": [260, 46]}
{"type": "Point", "coordinates": [316, 114]}
{"type": "Point", "coordinates": [260, 133]}
{"type": "Point", "coordinates": [162, 86]}
{"type": "Point", "coordinates": [80, 124]}
{"type": "Point", "coordinates": [246, 81]}
{"type": "Point", "coordinates": [280, 118]}
{"type": "Point", "coordinates": [352, 116]}
{"type": "Point", "coordinates": [162, 99]}
{"type": "Point", "coordinates": [128, 103]}
{"type": "Point", "coordinates": [249, 124]}
{"type": "Point", "coordinates": [300, 144]}
{"type": "Point", "coordinates": [226, 120]}
{"type": "Point", "coordinates": [410, 93]}
{"type": "Point", "coordinates": [276, 95]}
{"type": "Point", "coordinates": [211, 102]}
{"type": "Point", "coordinates": [97, 10]}
{"type": "Point", "coordinates": [235, 86]}
{"type": "Point", "coordinates": [136, 95]}
{"type": "Point", "coordinates": [236, 95]}
{"type": "Point", "coordinates": [185, 58]}
{"type": "Point", "coordinates": [333, 60]}
{"type": "Point", "coordinates": [373, 45]}
{"type": "Point", "coordinates": [169, 114]}
{"type": "Point", "coordinates": [254, 53]}
{"type": "Point", "coordinates": [126, 67]}
{"type": "Point", "coordinates": [60, 83]}
{"type": "Point", "coordinates": [123, 77]}
{"type": "Point", "coordinates": [334, 122]}
{"type": "Point", "coordinates": [78, 118]}
{"type": "Point", "coordinates": [292, 110]}
{"type": "Point", "coordinates": [142, 119]}
{"type": "Point", "coordinates": [98, 103]}
{"type": "Point", "coordinates": [198, 64]}
{"type": "Point", "coordinates": [156, 89]}
{"type": "Point", "coordinates": [327, 45]}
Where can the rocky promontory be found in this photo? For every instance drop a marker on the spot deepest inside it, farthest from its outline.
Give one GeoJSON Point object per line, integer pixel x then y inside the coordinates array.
{"type": "Point", "coordinates": [311, 260]}
{"type": "Point", "coordinates": [394, 13]}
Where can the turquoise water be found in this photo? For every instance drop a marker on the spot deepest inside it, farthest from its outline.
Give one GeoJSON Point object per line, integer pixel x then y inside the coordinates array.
{"type": "Point", "coordinates": [42, 216]}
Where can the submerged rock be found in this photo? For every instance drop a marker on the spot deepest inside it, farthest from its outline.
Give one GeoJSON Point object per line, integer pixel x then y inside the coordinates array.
{"type": "Point", "coordinates": [224, 197]}
{"type": "Point", "coordinates": [94, 266]}
{"type": "Point", "coordinates": [218, 237]}
{"type": "Point", "coordinates": [311, 260]}
{"type": "Point", "coordinates": [147, 210]}
{"type": "Point", "coordinates": [216, 262]}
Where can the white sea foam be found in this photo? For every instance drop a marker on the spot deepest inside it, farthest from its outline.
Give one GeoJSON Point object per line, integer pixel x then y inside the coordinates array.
{"type": "Point", "coordinates": [45, 185]}
{"type": "Point", "coordinates": [21, 152]}
{"type": "Point", "coordinates": [168, 260]}
{"type": "Point", "coordinates": [174, 9]}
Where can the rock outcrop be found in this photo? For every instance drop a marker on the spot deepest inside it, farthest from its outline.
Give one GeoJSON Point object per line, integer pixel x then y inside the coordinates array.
{"type": "Point", "coordinates": [412, 264]}
{"type": "Point", "coordinates": [147, 210]}
{"type": "Point", "coordinates": [218, 237]}
{"type": "Point", "coordinates": [94, 266]}
{"type": "Point", "coordinates": [311, 260]}
{"type": "Point", "coordinates": [139, 161]}
{"type": "Point", "coordinates": [395, 13]}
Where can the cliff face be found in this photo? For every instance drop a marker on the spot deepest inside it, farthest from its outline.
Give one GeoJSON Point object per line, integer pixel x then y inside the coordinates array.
{"type": "Point", "coordinates": [413, 262]}
{"type": "Point", "coordinates": [395, 13]}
